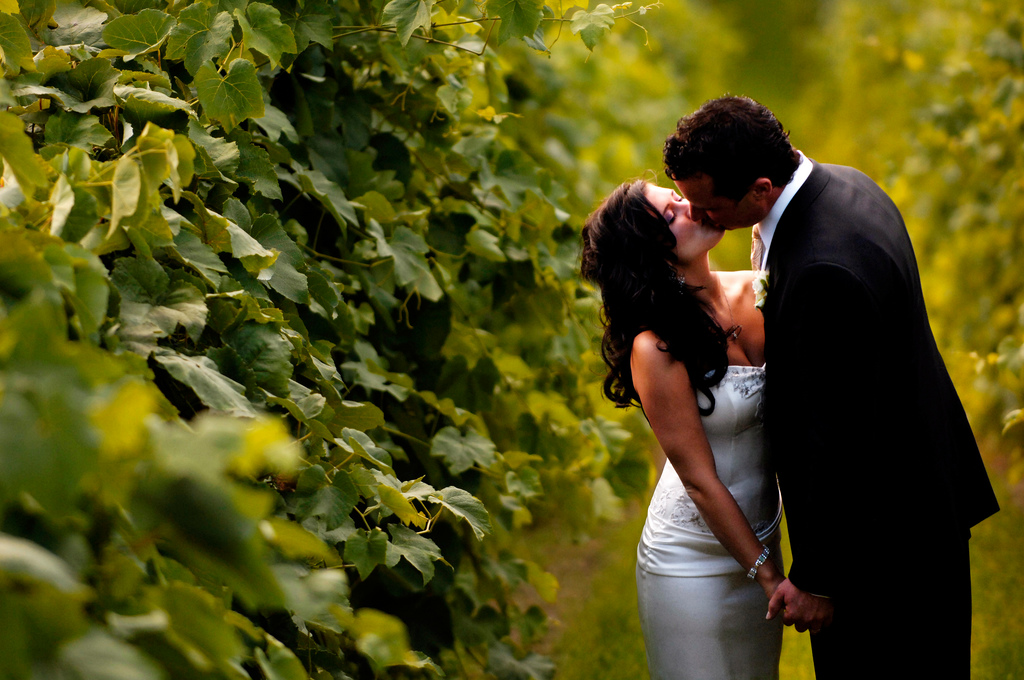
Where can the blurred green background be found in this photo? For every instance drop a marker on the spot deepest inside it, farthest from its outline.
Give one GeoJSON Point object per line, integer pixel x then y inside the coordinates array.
{"type": "Point", "coordinates": [925, 97]}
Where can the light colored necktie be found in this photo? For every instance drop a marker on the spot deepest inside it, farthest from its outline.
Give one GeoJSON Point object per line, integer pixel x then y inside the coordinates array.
{"type": "Point", "coordinates": [756, 248]}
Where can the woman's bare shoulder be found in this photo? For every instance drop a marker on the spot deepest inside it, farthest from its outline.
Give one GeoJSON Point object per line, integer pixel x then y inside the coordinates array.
{"type": "Point", "coordinates": [647, 345]}
{"type": "Point", "coordinates": [651, 356]}
{"type": "Point", "coordinates": [656, 373]}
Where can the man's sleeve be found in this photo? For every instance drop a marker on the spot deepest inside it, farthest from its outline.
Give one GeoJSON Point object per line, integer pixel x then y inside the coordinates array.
{"type": "Point", "coordinates": [832, 418]}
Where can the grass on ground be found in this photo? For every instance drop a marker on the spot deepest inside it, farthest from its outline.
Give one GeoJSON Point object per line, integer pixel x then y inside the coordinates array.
{"type": "Point", "coordinates": [599, 637]}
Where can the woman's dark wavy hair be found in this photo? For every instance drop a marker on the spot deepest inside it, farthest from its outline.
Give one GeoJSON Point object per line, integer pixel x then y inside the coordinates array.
{"type": "Point", "coordinates": [733, 140]}
{"type": "Point", "coordinates": [627, 252]}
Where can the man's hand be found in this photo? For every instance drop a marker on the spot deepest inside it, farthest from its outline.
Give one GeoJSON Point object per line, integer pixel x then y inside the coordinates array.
{"type": "Point", "coordinates": [800, 609]}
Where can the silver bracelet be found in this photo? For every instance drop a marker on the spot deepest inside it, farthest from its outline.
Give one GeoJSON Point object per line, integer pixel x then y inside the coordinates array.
{"type": "Point", "coordinates": [760, 560]}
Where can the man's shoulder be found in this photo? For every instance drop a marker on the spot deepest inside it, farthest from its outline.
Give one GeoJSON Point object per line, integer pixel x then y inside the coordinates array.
{"type": "Point", "coordinates": [844, 196]}
{"type": "Point", "coordinates": [847, 180]}
{"type": "Point", "coordinates": [845, 220]}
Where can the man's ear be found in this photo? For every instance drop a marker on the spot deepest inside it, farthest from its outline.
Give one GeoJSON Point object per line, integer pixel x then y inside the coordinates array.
{"type": "Point", "coordinates": [761, 187]}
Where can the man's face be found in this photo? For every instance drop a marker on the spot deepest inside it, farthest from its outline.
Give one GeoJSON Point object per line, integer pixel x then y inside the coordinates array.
{"type": "Point", "coordinates": [720, 211]}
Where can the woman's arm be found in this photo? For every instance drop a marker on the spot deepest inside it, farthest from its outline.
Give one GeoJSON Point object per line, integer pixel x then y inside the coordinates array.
{"type": "Point", "coordinates": [670, 404]}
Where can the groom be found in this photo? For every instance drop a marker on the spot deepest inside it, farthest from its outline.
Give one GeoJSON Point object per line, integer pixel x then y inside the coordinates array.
{"type": "Point", "coordinates": [879, 470]}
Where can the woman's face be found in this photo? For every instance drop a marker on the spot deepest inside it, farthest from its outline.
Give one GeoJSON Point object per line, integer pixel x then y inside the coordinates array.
{"type": "Point", "coordinates": [693, 239]}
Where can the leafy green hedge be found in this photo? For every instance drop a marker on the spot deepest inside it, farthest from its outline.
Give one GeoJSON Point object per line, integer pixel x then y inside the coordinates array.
{"type": "Point", "coordinates": [290, 340]}
{"type": "Point", "coordinates": [928, 98]}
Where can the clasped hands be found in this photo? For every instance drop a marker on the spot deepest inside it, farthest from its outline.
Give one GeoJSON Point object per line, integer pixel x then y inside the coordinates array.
{"type": "Point", "coordinates": [800, 609]}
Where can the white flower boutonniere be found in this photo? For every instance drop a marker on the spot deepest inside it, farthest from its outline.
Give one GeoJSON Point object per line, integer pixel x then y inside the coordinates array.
{"type": "Point", "coordinates": [760, 288]}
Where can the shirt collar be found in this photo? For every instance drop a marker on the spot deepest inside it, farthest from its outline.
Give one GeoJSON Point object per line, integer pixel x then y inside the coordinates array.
{"type": "Point", "coordinates": [771, 220]}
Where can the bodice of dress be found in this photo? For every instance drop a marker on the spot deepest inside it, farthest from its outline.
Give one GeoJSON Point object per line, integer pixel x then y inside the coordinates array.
{"type": "Point", "coordinates": [736, 435]}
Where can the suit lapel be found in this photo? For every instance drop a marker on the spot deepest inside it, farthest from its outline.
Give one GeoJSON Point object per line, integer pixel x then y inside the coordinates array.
{"type": "Point", "coordinates": [789, 223]}
{"type": "Point", "coordinates": [788, 232]}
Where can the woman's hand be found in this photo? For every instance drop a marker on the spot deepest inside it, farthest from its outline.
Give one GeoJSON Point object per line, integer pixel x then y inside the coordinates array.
{"type": "Point", "coordinates": [769, 577]}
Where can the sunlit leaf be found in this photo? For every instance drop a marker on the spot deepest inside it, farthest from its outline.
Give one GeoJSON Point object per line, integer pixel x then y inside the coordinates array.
{"type": "Point", "coordinates": [76, 23]}
{"type": "Point", "coordinates": [24, 559]}
{"type": "Point", "coordinates": [312, 595]}
{"type": "Point", "coordinates": [294, 541]}
{"type": "Point", "coordinates": [485, 244]}
{"type": "Point", "coordinates": [380, 637]}
{"type": "Point", "coordinates": [201, 375]}
{"type": "Point", "coordinates": [126, 190]}
{"type": "Point", "coordinates": [462, 504]}
{"type": "Point", "coordinates": [51, 61]}
{"type": "Point", "coordinates": [377, 207]}
{"type": "Point", "coordinates": [407, 15]}
{"type": "Point", "coordinates": [15, 50]}
{"type": "Point", "coordinates": [263, 31]}
{"type": "Point", "coordinates": [201, 34]}
{"type": "Point", "coordinates": [79, 130]}
{"type": "Point", "coordinates": [137, 34]}
{"type": "Point", "coordinates": [394, 501]}
{"type": "Point", "coordinates": [357, 415]}
{"type": "Point", "coordinates": [279, 663]}
{"type": "Point", "coordinates": [19, 157]}
{"type": "Point", "coordinates": [592, 25]}
{"type": "Point", "coordinates": [100, 656]}
{"type": "Point", "coordinates": [232, 98]}
{"type": "Point", "coordinates": [519, 18]}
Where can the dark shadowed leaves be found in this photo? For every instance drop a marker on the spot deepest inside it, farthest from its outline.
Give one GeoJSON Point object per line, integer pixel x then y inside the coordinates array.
{"type": "Point", "coordinates": [419, 551]}
{"type": "Point", "coordinates": [462, 452]}
{"type": "Point", "coordinates": [502, 662]}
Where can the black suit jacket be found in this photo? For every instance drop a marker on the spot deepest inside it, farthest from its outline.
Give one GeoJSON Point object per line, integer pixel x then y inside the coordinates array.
{"type": "Point", "coordinates": [874, 453]}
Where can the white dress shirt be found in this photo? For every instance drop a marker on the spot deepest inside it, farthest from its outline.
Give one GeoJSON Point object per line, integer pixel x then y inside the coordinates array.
{"type": "Point", "coordinates": [771, 220]}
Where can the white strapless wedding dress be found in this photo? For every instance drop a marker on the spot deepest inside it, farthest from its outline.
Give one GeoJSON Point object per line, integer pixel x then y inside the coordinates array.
{"type": "Point", "coordinates": [701, 616]}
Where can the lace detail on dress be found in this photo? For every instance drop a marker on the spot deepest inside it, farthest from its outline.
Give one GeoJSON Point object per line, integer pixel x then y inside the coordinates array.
{"type": "Point", "coordinates": [678, 509]}
{"type": "Point", "coordinates": [748, 381]}
{"type": "Point", "coordinates": [670, 503]}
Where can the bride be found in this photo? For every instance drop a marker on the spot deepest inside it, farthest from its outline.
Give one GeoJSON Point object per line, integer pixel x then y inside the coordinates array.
{"type": "Point", "coordinates": [687, 345]}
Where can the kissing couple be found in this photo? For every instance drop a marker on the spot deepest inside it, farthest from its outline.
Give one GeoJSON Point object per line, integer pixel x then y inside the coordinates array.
{"type": "Point", "coordinates": [816, 375]}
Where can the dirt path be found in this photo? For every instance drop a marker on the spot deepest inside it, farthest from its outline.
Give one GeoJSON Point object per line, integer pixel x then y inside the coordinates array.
{"type": "Point", "coordinates": [576, 566]}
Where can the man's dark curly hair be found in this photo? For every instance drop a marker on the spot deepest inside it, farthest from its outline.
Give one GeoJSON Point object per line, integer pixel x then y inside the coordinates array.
{"type": "Point", "coordinates": [733, 140]}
